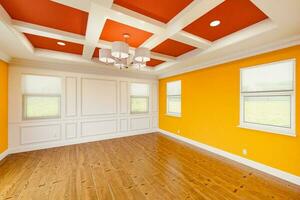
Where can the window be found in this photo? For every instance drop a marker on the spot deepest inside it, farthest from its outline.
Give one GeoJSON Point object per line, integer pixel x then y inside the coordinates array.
{"type": "Point", "coordinates": [174, 98]}
{"type": "Point", "coordinates": [41, 97]}
{"type": "Point", "coordinates": [268, 97]}
{"type": "Point", "coordinates": [139, 98]}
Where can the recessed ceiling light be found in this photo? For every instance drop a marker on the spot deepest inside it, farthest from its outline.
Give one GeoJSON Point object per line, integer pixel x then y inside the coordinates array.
{"type": "Point", "coordinates": [215, 23]}
{"type": "Point", "coordinates": [61, 43]}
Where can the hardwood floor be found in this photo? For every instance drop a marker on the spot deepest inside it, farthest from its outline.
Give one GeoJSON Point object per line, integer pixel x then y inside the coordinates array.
{"type": "Point", "coordinates": [150, 166]}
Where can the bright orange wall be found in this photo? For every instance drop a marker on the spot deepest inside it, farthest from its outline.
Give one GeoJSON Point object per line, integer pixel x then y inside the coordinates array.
{"type": "Point", "coordinates": [210, 113]}
{"type": "Point", "coordinates": [3, 106]}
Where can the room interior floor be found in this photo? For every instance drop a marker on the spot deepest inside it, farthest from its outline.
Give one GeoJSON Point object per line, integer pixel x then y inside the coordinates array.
{"type": "Point", "coordinates": [149, 166]}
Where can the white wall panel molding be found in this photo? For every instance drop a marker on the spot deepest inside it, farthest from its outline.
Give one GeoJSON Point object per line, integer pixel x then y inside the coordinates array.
{"type": "Point", "coordinates": [98, 97]}
{"type": "Point", "coordinates": [71, 97]}
{"type": "Point", "coordinates": [124, 97]}
{"type": "Point", "coordinates": [123, 125]}
{"type": "Point", "coordinates": [91, 128]}
{"type": "Point", "coordinates": [70, 130]}
{"type": "Point", "coordinates": [40, 133]}
{"type": "Point", "coordinates": [140, 123]}
{"type": "Point", "coordinates": [72, 127]}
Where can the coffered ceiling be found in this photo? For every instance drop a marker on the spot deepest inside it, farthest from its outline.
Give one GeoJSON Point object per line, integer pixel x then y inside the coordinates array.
{"type": "Point", "coordinates": [179, 33]}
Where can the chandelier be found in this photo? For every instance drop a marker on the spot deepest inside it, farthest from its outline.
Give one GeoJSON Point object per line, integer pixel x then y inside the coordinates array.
{"type": "Point", "coordinates": [120, 57]}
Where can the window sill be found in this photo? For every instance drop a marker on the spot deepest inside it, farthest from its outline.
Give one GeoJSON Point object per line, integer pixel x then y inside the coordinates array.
{"type": "Point", "coordinates": [173, 115]}
{"type": "Point", "coordinates": [269, 129]}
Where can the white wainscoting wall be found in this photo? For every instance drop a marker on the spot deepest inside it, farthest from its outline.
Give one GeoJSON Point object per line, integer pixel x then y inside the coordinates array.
{"type": "Point", "coordinates": [93, 107]}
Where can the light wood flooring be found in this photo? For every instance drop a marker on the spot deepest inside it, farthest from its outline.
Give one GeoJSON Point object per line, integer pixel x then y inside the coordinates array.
{"type": "Point", "coordinates": [150, 166]}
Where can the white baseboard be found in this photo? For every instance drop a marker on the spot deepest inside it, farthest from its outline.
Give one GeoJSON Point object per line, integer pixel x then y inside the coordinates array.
{"type": "Point", "coordinates": [32, 147]}
{"type": "Point", "coordinates": [4, 154]}
{"type": "Point", "coordinates": [264, 168]}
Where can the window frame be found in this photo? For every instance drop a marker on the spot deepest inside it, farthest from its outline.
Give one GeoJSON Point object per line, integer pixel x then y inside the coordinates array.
{"type": "Point", "coordinates": [139, 96]}
{"type": "Point", "coordinates": [173, 114]}
{"type": "Point", "coordinates": [24, 114]}
{"type": "Point", "coordinates": [24, 95]}
{"type": "Point", "coordinates": [289, 131]}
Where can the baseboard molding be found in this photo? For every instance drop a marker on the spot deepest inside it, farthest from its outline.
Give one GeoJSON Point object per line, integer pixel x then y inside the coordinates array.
{"type": "Point", "coordinates": [32, 147]}
{"type": "Point", "coordinates": [261, 167]}
{"type": "Point", "coordinates": [4, 154]}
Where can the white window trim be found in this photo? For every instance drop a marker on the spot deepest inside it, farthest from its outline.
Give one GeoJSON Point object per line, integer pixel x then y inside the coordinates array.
{"type": "Point", "coordinates": [173, 114]}
{"type": "Point", "coordinates": [290, 131]}
{"type": "Point", "coordinates": [132, 96]}
{"type": "Point", "coordinates": [139, 96]}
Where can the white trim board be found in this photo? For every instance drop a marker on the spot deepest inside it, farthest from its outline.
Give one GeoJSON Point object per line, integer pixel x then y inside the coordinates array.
{"type": "Point", "coordinates": [4, 154]}
{"type": "Point", "coordinates": [261, 167]}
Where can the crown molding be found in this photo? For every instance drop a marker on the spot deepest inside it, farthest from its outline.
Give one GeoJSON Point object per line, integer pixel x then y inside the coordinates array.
{"type": "Point", "coordinates": [4, 57]}
{"type": "Point", "coordinates": [292, 41]}
{"type": "Point", "coordinates": [87, 68]}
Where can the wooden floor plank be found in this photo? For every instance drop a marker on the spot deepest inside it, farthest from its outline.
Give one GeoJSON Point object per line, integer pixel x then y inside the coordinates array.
{"type": "Point", "coordinates": [149, 166]}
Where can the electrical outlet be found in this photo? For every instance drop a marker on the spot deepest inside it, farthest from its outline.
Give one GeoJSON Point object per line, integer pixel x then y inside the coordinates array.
{"type": "Point", "coordinates": [245, 152]}
{"type": "Point", "coordinates": [178, 131]}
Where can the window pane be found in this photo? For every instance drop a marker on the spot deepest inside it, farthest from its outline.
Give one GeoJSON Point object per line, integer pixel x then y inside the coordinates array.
{"type": "Point", "coordinates": [42, 107]}
{"type": "Point", "coordinates": [139, 104]}
{"type": "Point", "coordinates": [174, 104]}
{"type": "Point", "coordinates": [268, 110]}
{"type": "Point", "coordinates": [271, 77]}
{"type": "Point", "coordinates": [139, 89]}
{"type": "Point", "coordinates": [174, 88]}
{"type": "Point", "coordinates": [33, 84]}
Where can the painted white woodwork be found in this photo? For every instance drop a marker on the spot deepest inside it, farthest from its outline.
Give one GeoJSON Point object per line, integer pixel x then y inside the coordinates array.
{"type": "Point", "coordinates": [139, 123]}
{"type": "Point", "coordinates": [71, 96]}
{"type": "Point", "coordinates": [99, 97]}
{"type": "Point", "coordinates": [40, 133]}
{"type": "Point", "coordinates": [93, 107]}
{"type": "Point", "coordinates": [123, 125]}
{"type": "Point", "coordinates": [71, 130]}
{"type": "Point", "coordinates": [123, 97]}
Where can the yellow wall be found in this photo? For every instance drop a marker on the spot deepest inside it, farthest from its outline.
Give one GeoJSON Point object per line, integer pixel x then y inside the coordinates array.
{"type": "Point", "coordinates": [210, 113]}
{"type": "Point", "coordinates": [3, 106]}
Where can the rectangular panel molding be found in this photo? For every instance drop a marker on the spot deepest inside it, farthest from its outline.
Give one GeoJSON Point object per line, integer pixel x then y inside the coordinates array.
{"type": "Point", "coordinates": [71, 96]}
{"type": "Point", "coordinates": [123, 125]}
{"type": "Point", "coordinates": [98, 127]}
{"type": "Point", "coordinates": [123, 97]}
{"type": "Point", "coordinates": [98, 97]}
{"type": "Point", "coordinates": [71, 130]}
{"type": "Point", "coordinates": [41, 133]}
{"type": "Point", "coordinates": [140, 123]}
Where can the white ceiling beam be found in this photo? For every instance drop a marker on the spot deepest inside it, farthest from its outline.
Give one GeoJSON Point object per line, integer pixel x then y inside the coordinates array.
{"type": "Point", "coordinates": [257, 29]}
{"type": "Point", "coordinates": [189, 14]}
{"type": "Point", "coordinates": [282, 12]}
{"type": "Point", "coordinates": [191, 39]}
{"type": "Point", "coordinates": [96, 21]}
{"type": "Point", "coordinates": [83, 5]}
{"type": "Point", "coordinates": [6, 21]}
{"type": "Point", "coordinates": [71, 37]}
{"type": "Point", "coordinates": [34, 29]}
{"type": "Point", "coordinates": [137, 20]}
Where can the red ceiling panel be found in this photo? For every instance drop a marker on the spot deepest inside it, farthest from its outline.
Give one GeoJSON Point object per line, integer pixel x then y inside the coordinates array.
{"type": "Point", "coordinates": [154, 62]}
{"type": "Point", "coordinates": [51, 44]}
{"type": "Point", "coordinates": [96, 53]}
{"type": "Point", "coordinates": [173, 48]}
{"type": "Point", "coordinates": [234, 16]}
{"type": "Point", "coordinates": [161, 10]}
{"type": "Point", "coordinates": [47, 13]}
{"type": "Point", "coordinates": [113, 31]}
